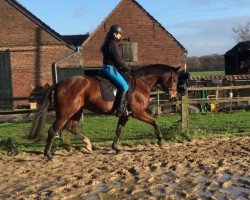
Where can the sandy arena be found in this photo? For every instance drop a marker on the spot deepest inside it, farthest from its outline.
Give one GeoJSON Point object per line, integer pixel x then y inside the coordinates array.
{"type": "Point", "coordinates": [213, 169]}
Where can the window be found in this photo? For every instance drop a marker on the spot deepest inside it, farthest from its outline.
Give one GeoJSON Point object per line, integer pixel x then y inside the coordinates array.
{"type": "Point", "coordinates": [130, 51]}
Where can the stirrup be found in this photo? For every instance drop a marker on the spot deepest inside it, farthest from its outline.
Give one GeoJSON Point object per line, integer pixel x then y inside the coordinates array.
{"type": "Point", "coordinates": [123, 111]}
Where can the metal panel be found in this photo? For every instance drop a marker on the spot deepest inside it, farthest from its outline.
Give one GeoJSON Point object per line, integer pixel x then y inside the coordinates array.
{"type": "Point", "coordinates": [64, 73]}
{"type": "Point", "coordinates": [6, 95]}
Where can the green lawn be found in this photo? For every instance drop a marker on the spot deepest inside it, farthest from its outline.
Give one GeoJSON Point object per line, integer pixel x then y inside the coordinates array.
{"type": "Point", "coordinates": [208, 73]}
{"type": "Point", "coordinates": [101, 130]}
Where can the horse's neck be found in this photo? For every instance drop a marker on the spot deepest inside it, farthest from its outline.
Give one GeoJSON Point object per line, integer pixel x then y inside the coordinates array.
{"type": "Point", "coordinates": [150, 80]}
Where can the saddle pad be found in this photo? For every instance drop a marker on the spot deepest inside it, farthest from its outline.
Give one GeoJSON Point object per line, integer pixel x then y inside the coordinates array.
{"type": "Point", "coordinates": [107, 88]}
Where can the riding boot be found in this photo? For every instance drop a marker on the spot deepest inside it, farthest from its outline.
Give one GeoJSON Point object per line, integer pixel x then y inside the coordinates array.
{"type": "Point", "coordinates": [121, 107]}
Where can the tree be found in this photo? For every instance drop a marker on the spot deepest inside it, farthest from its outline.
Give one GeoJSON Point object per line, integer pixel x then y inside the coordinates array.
{"type": "Point", "coordinates": [206, 63]}
{"type": "Point", "coordinates": [194, 64]}
{"type": "Point", "coordinates": [241, 32]}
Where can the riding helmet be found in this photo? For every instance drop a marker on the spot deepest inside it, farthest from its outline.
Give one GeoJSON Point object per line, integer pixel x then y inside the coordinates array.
{"type": "Point", "coordinates": [115, 29]}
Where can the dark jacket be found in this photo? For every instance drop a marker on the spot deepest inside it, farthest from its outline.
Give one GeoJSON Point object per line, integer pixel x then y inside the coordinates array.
{"type": "Point", "coordinates": [112, 54]}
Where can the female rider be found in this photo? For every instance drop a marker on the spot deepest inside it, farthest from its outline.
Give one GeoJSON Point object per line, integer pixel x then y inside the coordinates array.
{"type": "Point", "coordinates": [113, 66]}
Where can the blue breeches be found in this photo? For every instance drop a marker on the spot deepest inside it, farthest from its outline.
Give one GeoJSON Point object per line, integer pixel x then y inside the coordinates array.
{"type": "Point", "coordinates": [115, 77]}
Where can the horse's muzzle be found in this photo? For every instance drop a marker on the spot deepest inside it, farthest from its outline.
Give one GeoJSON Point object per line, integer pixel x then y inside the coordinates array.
{"type": "Point", "coordinates": [182, 89]}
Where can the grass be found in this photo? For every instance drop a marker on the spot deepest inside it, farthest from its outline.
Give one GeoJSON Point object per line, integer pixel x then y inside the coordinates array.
{"type": "Point", "coordinates": [101, 130]}
{"type": "Point", "coordinates": [208, 73]}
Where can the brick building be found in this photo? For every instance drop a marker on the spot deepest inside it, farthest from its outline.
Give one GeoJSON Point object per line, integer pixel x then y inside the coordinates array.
{"type": "Point", "coordinates": [145, 40]}
{"type": "Point", "coordinates": [29, 48]}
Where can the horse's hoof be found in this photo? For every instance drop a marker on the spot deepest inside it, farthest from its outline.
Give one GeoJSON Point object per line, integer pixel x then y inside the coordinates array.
{"type": "Point", "coordinates": [117, 151]}
{"type": "Point", "coordinates": [88, 146]}
{"type": "Point", "coordinates": [48, 155]}
{"type": "Point", "coordinates": [87, 150]}
{"type": "Point", "coordinates": [161, 144]}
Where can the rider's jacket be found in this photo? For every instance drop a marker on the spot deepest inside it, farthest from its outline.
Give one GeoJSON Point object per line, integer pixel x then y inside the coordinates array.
{"type": "Point", "coordinates": [112, 54]}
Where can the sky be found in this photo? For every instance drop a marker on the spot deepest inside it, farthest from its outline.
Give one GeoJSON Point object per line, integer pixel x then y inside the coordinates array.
{"type": "Point", "coordinates": [203, 27]}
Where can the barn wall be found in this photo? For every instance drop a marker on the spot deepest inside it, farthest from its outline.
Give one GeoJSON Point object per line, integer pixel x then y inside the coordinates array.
{"type": "Point", "coordinates": [154, 44]}
{"type": "Point", "coordinates": [19, 30]}
{"type": "Point", "coordinates": [32, 50]}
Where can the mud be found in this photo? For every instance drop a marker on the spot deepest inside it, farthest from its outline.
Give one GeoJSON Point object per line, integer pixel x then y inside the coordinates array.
{"type": "Point", "coordinates": [213, 169]}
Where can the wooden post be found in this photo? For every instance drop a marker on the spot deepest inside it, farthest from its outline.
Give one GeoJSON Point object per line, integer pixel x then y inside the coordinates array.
{"type": "Point", "coordinates": [158, 102]}
{"type": "Point", "coordinates": [185, 113]}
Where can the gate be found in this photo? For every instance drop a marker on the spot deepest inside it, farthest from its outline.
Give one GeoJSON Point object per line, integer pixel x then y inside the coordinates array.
{"type": "Point", "coordinates": [5, 82]}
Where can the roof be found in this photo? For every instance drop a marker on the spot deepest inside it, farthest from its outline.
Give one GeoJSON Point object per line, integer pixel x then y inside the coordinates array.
{"type": "Point", "coordinates": [240, 47]}
{"type": "Point", "coordinates": [76, 40]}
{"type": "Point", "coordinates": [36, 20]}
{"type": "Point", "coordinates": [150, 16]}
{"type": "Point", "coordinates": [162, 27]}
{"type": "Point", "coordinates": [226, 77]}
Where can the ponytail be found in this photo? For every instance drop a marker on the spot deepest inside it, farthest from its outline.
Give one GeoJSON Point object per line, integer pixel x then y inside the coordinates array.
{"type": "Point", "coordinates": [108, 36]}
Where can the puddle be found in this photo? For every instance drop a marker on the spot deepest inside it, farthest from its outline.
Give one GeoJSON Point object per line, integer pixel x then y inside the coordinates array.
{"type": "Point", "coordinates": [101, 187]}
{"type": "Point", "coordinates": [159, 192]}
{"type": "Point", "coordinates": [239, 186]}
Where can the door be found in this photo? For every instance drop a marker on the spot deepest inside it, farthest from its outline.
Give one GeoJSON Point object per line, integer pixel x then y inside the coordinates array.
{"type": "Point", "coordinates": [5, 82]}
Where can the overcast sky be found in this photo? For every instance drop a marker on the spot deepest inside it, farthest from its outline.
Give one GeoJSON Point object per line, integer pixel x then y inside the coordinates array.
{"type": "Point", "coordinates": [203, 27]}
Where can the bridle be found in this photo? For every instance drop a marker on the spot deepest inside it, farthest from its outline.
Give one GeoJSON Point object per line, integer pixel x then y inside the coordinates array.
{"type": "Point", "coordinates": [172, 79]}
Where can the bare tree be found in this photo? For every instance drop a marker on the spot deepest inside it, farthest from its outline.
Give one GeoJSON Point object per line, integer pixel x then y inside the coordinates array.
{"type": "Point", "coordinates": [241, 32]}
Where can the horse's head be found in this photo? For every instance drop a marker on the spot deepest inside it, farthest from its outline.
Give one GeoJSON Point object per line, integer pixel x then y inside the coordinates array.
{"type": "Point", "coordinates": [169, 82]}
{"type": "Point", "coordinates": [174, 83]}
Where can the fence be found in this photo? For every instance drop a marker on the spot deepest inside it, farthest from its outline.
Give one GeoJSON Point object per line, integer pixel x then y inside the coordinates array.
{"type": "Point", "coordinates": [186, 101]}
{"type": "Point", "coordinates": [158, 102]}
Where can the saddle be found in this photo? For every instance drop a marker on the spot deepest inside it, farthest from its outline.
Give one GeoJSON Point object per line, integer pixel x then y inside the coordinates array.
{"type": "Point", "coordinates": [108, 89]}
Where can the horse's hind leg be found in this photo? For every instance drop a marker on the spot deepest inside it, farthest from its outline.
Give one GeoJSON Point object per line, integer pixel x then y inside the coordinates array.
{"type": "Point", "coordinates": [145, 117]}
{"type": "Point", "coordinates": [121, 123]}
{"type": "Point", "coordinates": [57, 126]}
{"type": "Point", "coordinates": [72, 127]}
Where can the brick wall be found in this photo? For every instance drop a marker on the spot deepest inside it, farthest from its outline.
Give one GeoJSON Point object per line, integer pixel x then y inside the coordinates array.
{"type": "Point", "coordinates": [154, 44]}
{"type": "Point", "coordinates": [32, 68]}
{"type": "Point", "coordinates": [32, 49]}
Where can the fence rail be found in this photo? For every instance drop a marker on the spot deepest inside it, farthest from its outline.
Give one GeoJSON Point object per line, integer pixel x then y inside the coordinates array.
{"type": "Point", "coordinates": [219, 100]}
{"type": "Point", "coordinates": [219, 88]}
{"type": "Point", "coordinates": [186, 101]}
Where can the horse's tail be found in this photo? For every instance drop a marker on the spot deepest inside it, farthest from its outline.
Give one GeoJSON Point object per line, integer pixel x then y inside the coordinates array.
{"type": "Point", "coordinates": [40, 117]}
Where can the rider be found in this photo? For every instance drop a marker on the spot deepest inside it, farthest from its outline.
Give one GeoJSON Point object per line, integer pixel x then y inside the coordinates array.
{"type": "Point", "coordinates": [113, 66]}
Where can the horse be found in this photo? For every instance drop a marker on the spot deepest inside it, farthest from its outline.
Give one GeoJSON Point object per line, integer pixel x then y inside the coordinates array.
{"type": "Point", "coordinates": [77, 93]}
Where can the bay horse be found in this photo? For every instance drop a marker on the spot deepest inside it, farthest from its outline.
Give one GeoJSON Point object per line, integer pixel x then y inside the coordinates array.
{"type": "Point", "coordinates": [74, 94]}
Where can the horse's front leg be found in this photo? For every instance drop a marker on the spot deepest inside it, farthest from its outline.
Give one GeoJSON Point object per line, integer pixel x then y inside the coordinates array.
{"type": "Point", "coordinates": [145, 117]}
{"type": "Point", "coordinates": [121, 123]}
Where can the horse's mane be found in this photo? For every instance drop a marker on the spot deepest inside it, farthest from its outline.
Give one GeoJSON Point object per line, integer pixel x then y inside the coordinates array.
{"type": "Point", "coordinates": [152, 69]}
